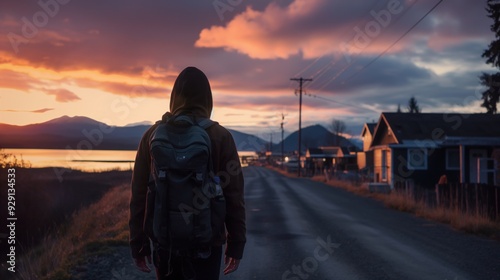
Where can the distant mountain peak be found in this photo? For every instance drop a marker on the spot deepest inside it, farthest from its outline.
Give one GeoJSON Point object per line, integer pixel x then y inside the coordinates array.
{"type": "Point", "coordinates": [62, 119]}
{"type": "Point", "coordinates": [139, 124]}
{"type": "Point", "coordinates": [72, 120]}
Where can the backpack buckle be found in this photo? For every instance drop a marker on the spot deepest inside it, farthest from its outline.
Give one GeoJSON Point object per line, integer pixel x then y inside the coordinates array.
{"type": "Point", "coordinates": [199, 176]}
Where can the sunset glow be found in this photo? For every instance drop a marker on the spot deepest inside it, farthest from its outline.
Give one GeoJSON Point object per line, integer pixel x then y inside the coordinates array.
{"type": "Point", "coordinates": [116, 62]}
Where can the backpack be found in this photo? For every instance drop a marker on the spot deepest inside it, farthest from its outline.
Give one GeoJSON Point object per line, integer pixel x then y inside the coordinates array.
{"type": "Point", "coordinates": [186, 191]}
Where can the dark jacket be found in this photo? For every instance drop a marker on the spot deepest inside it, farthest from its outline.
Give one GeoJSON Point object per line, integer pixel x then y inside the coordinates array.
{"type": "Point", "coordinates": [192, 95]}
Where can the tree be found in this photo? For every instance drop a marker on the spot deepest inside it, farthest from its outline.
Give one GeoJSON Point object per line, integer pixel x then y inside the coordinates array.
{"type": "Point", "coordinates": [399, 108]}
{"type": "Point", "coordinates": [413, 106]}
{"type": "Point", "coordinates": [337, 127]}
{"type": "Point", "coordinates": [492, 54]}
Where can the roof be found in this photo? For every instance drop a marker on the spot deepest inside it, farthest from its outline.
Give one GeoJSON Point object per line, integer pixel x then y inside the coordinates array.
{"type": "Point", "coordinates": [332, 151]}
{"type": "Point", "coordinates": [420, 126]}
{"type": "Point", "coordinates": [314, 151]}
{"type": "Point", "coordinates": [325, 152]}
{"type": "Point", "coordinates": [370, 127]}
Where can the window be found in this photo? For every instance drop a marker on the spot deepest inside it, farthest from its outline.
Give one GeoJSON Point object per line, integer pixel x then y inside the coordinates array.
{"type": "Point", "coordinates": [452, 159]}
{"type": "Point", "coordinates": [417, 159]}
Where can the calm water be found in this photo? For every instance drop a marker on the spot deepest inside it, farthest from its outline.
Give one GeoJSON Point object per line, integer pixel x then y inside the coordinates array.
{"type": "Point", "coordinates": [95, 160]}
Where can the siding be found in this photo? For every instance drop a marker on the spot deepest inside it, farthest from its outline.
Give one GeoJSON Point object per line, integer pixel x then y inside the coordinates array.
{"type": "Point", "coordinates": [379, 168]}
{"type": "Point", "coordinates": [436, 166]}
{"type": "Point", "coordinates": [367, 141]}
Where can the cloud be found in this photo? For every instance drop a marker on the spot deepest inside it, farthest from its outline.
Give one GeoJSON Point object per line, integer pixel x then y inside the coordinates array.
{"type": "Point", "coordinates": [112, 41]}
{"type": "Point", "coordinates": [251, 54]}
{"type": "Point", "coordinates": [263, 34]}
{"type": "Point", "coordinates": [42, 110]}
{"type": "Point", "coordinates": [315, 28]}
{"type": "Point", "coordinates": [63, 95]}
{"type": "Point", "coordinates": [131, 90]}
{"type": "Point", "coordinates": [39, 111]}
{"type": "Point", "coordinates": [18, 81]}
{"type": "Point", "coordinates": [150, 82]}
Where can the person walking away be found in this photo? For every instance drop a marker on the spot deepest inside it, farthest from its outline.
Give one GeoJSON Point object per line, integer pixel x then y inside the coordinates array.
{"type": "Point", "coordinates": [153, 189]}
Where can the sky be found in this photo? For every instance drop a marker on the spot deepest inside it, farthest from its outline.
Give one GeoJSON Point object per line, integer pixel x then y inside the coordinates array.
{"type": "Point", "coordinates": [116, 61]}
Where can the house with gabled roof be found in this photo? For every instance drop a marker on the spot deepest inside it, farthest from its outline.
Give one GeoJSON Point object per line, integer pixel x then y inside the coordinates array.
{"type": "Point", "coordinates": [365, 158]}
{"type": "Point", "coordinates": [340, 158]}
{"type": "Point", "coordinates": [420, 148]}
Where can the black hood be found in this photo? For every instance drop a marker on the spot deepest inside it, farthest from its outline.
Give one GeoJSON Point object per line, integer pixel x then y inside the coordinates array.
{"type": "Point", "coordinates": [191, 94]}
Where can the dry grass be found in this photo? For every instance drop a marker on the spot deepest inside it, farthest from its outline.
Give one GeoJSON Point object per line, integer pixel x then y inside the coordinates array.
{"type": "Point", "coordinates": [401, 202]}
{"type": "Point", "coordinates": [475, 223]}
{"type": "Point", "coordinates": [89, 232]}
{"type": "Point", "coordinates": [11, 160]}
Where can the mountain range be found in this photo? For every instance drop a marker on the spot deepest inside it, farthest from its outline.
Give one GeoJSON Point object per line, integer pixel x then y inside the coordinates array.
{"type": "Point", "coordinates": [85, 133]}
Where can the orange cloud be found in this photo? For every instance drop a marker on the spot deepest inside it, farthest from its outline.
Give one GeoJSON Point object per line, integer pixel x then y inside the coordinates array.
{"type": "Point", "coordinates": [259, 34]}
{"type": "Point", "coordinates": [63, 95]}
{"type": "Point", "coordinates": [16, 80]}
{"type": "Point", "coordinates": [306, 28]}
{"type": "Point", "coordinates": [149, 83]}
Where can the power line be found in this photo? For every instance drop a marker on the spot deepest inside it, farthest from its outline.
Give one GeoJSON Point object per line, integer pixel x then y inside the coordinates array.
{"type": "Point", "coordinates": [309, 66]}
{"type": "Point", "coordinates": [336, 75]}
{"type": "Point", "coordinates": [335, 61]}
{"type": "Point", "coordinates": [282, 142]}
{"type": "Point", "coordinates": [341, 103]}
{"type": "Point", "coordinates": [301, 83]}
{"type": "Point", "coordinates": [352, 61]}
{"type": "Point", "coordinates": [393, 44]}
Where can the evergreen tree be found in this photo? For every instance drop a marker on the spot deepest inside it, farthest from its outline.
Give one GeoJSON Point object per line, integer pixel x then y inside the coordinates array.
{"type": "Point", "coordinates": [413, 106]}
{"type": "Point", "coordinates": [492, 54]}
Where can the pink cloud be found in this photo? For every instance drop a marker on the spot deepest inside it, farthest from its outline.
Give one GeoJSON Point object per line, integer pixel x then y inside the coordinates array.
{"type": "Point", "coordinates": [319, 28]}
{"type": "Point", "coordinates": [63, 95]}
{"type": "Point", "coordinates": [131, 90]}
{"type": "Point", "coordinates": [39, 111]}
{"type": "Point", "coordinates": [260, 34]}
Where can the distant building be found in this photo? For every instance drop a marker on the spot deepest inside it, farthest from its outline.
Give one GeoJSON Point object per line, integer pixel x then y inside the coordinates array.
{"type": "Point", "coordinates": [247, 157]}
{"type": "Point", "coordinates": [338, 158]}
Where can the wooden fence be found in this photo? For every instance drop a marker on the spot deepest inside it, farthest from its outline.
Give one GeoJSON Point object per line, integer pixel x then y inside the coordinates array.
{"type": "Point", "coordinates": [471, 198]}
{"type": "Point", "coordinates": [480, 199]}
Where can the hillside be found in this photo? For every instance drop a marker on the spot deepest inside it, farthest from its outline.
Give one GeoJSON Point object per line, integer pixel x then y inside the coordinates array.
{"type": "Point", "coordinates": [312, 136]}
{"type": "Point", "coordinates": [85, 133]}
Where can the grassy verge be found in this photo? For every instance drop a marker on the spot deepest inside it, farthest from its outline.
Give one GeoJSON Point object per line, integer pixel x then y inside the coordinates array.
{"type": "Point", "coordinates": [90, 231]}
{"type": "Point", "coordinates": [475, 223]}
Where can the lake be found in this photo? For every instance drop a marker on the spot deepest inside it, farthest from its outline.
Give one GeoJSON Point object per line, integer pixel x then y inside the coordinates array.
{"type": "Point", "coordinates": [92, 160]}
{"type": "Point", "coordinates": [85, 160]}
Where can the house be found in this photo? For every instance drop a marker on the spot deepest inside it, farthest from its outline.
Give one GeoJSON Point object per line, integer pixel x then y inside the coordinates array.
{"type": "Point", "coordinates": [247, 157]}
{"type": "Point", "coordinates": [420, 148]}
{"type": "Point", "coordinates": [365, 158]}
{"type": "Point", "coordinates": [339, 158]}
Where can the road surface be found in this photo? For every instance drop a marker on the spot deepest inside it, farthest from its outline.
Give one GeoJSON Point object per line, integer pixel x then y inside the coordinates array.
{"type": "Point", "coordinates": [300, 229]}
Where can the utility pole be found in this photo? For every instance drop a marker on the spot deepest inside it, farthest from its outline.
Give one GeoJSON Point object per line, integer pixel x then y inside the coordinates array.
{"type": "Point", "coordinates": [271, 143]}
{"type": "Point", "coordinates": [282, 144]}
{"type": "Point", "coordinates": [301, 83]}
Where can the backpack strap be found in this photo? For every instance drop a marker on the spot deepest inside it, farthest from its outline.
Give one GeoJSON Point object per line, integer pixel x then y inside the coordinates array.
{"type": "Point", "coordinates": [205, 123]}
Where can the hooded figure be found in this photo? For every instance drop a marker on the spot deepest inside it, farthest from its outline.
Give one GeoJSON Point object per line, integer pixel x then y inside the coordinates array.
{"type": "Point", "coordinates": [191, 95]}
